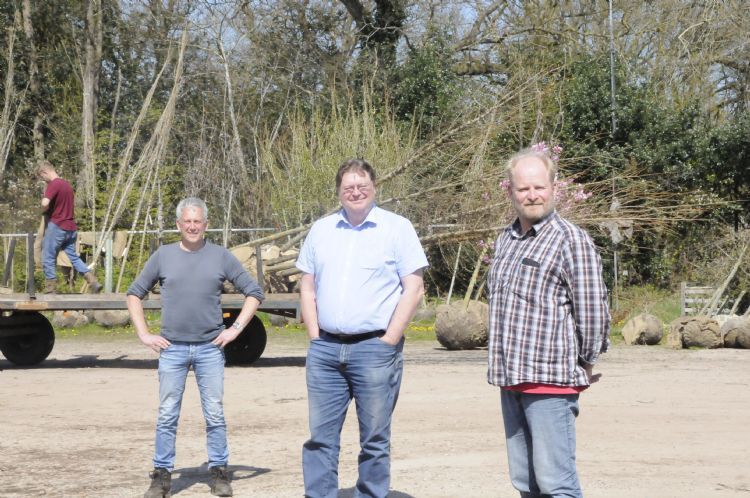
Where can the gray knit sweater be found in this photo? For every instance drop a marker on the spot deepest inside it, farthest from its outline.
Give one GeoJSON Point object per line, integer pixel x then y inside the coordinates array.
{"type": "Point", "coordinates": [191, 284]}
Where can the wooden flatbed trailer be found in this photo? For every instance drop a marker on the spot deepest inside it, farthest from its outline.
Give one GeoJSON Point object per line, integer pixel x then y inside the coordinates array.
{"type": "Point", "coordinates": [27, 336]}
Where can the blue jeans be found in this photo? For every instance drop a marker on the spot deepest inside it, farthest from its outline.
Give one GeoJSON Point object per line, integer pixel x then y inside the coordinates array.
{"type": "Point", "coordinates": [370, 372]}
{"type": "Point", "coordinates": [207, 361]}
{"type": "Point", "coordinates": [55, 240]}
{"type": "Point", "coordinates": [540, 435]}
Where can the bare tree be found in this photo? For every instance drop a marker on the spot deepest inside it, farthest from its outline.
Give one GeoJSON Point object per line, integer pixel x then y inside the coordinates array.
{"type": "Point", "coordinates": [12, 102]}
{"type": "Point", "coordinates": [90, 78]}
{"type": "Point", "coordinates": [38, 113]}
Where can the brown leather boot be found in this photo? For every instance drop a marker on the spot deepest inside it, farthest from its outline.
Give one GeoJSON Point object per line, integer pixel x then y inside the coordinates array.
{"type": "Point", "coordinates": [50, 286]}
{"type": "Point", "coordinates": [161, 484]}
{"type": "Point", "coordinates": [220, 481]}
{"type": "Point", "coordinates": [94, 286]}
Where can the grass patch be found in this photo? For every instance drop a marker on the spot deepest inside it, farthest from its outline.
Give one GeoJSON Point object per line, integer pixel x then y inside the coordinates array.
{"type": "Point", "coordinates": [663, 304]}
{"type": "Point", "coordinates": [422, 330]}
{"type": "Point", "coordinates": [95, 331]}
{"type": "Point", "coordinates": [417, 331]}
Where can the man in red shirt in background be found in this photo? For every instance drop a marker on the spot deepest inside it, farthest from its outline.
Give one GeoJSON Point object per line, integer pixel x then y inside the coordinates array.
{"type": "Point", "coordinates": [61, 232]}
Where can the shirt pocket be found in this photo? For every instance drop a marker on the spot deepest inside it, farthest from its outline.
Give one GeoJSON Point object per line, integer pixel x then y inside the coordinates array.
{"type": "Point", "coordinates": [375, 259]}
{"type": "Point", "coordinates": [372, 260]}
{"type": "Point", "coordinates": [525, 282]}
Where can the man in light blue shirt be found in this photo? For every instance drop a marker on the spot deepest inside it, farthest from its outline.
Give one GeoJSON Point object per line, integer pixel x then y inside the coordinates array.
{"type": "Point", "coordinates": [361, 284]}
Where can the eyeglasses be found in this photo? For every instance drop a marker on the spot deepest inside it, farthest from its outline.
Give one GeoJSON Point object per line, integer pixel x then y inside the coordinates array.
{"type": "Point", "coordinates": [363, 189]}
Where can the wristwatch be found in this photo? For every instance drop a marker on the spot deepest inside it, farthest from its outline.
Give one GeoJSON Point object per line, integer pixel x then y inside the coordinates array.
{"type": "Point", "coordinates": [237, 325]}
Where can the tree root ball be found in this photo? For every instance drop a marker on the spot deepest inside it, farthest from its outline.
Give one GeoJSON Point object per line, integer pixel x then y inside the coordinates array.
{"type": "Point", "coordinates": [277, 320]}
{"type": "Point", "coordinates": [112, 318]}
{"type": "Point", "coordinates": [643, 329]}
{"type": "Point", "coordinates": [460, 327]}
{"type": "Point", "coordinates": [69, 319]}
{"type": "Point", "coordinates": [694, 331]}
{"type": "Point", "coordinates": [736, 333]}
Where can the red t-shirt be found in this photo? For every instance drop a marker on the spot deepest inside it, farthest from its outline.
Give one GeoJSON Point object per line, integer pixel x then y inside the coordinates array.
{"type": "Point", "coordinates": [534, 388]}
{"type": "Point", "coordinates": [61, 199]}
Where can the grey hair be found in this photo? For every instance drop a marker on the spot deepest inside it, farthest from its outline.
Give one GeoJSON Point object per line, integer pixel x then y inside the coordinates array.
{"type": "Point", "coordinates": [548, 162]}
{"type": "Point", "coordinates": [192, 202]}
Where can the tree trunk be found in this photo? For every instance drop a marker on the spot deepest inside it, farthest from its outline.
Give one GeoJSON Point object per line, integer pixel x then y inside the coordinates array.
{"type": "Point", "coordinates": [90, 79]}
{"type": "Point", "coordinates": [36, 131]}
{"type": "Point", "coordinates": [9, 116]}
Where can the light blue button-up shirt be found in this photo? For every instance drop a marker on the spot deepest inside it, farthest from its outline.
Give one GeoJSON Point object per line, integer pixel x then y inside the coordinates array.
{"type": "Point", "coordinates": [358, 270]}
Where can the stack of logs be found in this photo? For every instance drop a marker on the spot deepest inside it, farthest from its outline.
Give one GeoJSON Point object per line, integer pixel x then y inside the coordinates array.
{"type": "Point", "coordinates": [277, 266]}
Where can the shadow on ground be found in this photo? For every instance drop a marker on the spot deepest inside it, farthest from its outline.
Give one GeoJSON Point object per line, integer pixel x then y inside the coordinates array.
{"type": "Point", "coordinates": [124, 361]}
{"type": "Point", "coordinates": [188, 477]}
{"type": "Point", "coordinates": [349, 493]}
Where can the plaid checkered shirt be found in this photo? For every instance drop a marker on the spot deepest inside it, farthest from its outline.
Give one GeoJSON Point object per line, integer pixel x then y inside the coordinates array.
{"type": "Point", "coordinates": [548, 305]}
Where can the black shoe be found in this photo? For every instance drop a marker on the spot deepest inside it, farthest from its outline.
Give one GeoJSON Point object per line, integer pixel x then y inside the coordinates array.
{"type": "Point", "coordinates": [161, 484]}
{"type": "Point", "coordinates": [220, 481]}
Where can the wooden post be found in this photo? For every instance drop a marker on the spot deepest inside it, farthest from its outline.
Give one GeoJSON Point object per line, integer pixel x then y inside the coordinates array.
{"type": "Point", "coordinates": [683, 288]}
{"type": "Point", "coordinates": [9, 262]}
{"type": "Point", "coordinates": [453, 278]}
{"type": "Point", "coordinates": [474, 275]}
{"type": "Point", "coordinates": [30, 288]}
{"type": "Point", "coordinates": [737, 303]}
{"type": "Point", "coordinates": [709, 308]}
{"type": "Point", "coordinates": [259, 267]}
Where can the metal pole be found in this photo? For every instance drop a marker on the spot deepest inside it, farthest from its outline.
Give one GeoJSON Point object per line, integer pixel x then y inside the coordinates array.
{"type": "Point", "coordinates": [108, 264]}
{"type": "Point", "coordinates": [612, 70]}
{"type": "Point", "coordinates": [615, 298]}
{"type": "Point", "coordinates": [613, 103]}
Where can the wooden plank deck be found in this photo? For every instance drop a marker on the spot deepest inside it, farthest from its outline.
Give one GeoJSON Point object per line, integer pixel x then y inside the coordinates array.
{"type": "Point", "coordinates": [278, 304]}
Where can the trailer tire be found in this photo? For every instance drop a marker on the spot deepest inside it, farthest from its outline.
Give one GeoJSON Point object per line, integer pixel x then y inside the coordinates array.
{"type": "Point", "coordinates": [249, 345]}
{"type": "Point", "coordinates": [30, 348]}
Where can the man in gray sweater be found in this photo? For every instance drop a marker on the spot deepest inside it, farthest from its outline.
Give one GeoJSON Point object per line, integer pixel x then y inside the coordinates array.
{"type": "Point", "coordinates": [191, 273]}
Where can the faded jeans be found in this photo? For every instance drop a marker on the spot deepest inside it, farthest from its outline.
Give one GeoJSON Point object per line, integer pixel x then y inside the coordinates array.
{"type": "Point", "coordinates": [369, 372]}
{"type": "Point", "coordinates": [540, 437]}
{"type": "Point", "coordinates": [207, 361]}
{"type": "Point", "coordinates": [55, 240]}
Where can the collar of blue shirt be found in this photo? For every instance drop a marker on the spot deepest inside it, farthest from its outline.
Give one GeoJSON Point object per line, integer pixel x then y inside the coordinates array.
{"type": "Point", "coordinates": [370, 219]}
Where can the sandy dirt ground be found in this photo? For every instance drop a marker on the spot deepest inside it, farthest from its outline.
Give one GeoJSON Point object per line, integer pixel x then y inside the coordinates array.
{"type": "Point", "coordinates": [661, 423]}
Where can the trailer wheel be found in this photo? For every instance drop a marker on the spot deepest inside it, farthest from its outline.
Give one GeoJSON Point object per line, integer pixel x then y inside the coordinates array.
{"type": "Point", "coordinates": [249, 345]}
{"type": "Point", "coordinates": [35, 342]}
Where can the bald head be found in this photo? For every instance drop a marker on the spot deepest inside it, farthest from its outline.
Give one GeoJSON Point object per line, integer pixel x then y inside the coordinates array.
{"type": "Point", "coordinates": [526, 154]}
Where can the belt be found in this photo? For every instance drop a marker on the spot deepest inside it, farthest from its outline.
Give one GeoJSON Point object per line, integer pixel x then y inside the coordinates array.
{"type": "Point", "coordinates": [354, 337]}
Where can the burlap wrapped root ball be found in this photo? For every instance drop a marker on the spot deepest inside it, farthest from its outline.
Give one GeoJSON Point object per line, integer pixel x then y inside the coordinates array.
{"type": "Point", "coordinates": [458, 326]}
{"type": "Point", "coordinates": [643, 329]}
{"type": "Point", "coordinates": [736, 333]}
{"type": "Point", "coordinates": [112, 318]}
{"type": "Point", "coordinates": [694, 331]}
{"type": "Point", "coordinates": [69, 319]}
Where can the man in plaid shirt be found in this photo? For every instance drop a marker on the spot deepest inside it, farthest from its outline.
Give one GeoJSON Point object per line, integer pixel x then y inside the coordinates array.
{"type": "Point", "coordinates": [548, 322]}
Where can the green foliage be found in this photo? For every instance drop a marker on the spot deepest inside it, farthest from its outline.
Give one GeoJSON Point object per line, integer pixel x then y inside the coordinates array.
{"type": "Point", "coordinates": [634, 300]}
{"type": "Point", "coordinates": [725, 169]}
{"type": "Point", "coordinates": [302, 164]}
{"type": "Point", "coordinates": [427, 89]}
